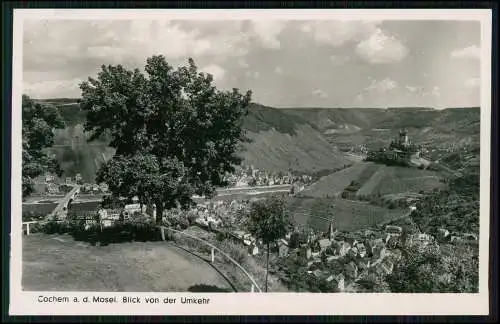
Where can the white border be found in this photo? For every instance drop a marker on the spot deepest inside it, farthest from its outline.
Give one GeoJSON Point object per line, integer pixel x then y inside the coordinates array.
{"type": "Point", "coordinates": [24, 303]}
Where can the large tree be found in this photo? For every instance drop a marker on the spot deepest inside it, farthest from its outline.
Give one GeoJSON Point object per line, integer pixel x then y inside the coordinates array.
{"type": "Point", "coordinates": [39, 123]}
{"type": "Point", "coordinates": [269, 221]}
{"type": "Point", "coordinates": [174, 132]}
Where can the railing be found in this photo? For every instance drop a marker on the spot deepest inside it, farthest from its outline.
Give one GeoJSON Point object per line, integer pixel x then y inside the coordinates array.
{"type": "Point", "coordinates": [41, 222]}
{"type": "Point", "coordinates": [167, 233]}
{"type": "Point", "coordinates": [27, 224]}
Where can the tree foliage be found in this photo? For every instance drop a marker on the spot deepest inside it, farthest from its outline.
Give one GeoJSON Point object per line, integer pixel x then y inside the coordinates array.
{"type": "Point", "coordinates": [269, 219]}
{"type": "Point", "coordinates": [427, 269]}
{"type": "Point", "coordinates": [39, 123]}
{"type": "Point", "coordinates": [174, 132]}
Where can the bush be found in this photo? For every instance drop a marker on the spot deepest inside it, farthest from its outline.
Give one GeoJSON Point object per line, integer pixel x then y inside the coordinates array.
{"type": "Point", "coordinates": [235, 251]}
{"type": "Point", "coordinates": [57, 227]}
{"type": "Point", "coordinates": [221, 236]}
{"type": "Point", "coordinates": [392, 205]}
{"type": "Point", "coordinates": [192, 216]}
{"type": "Point", "coordinates": [33, 216]}
{"type": "Point", "coordinates": [297, 239]}
{"type": "Point", "coordinates": [120, 231]}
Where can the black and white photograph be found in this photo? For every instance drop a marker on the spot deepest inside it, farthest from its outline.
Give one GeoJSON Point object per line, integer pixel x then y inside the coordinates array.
{"type": "Point", "coordinates": [182, 155]}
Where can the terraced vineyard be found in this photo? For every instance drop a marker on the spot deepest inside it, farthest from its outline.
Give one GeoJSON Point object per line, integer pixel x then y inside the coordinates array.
{"type": "Point", "coordinates": [397, 180]}
{"type": "Point", "coordinates": [374, 179]}
{"type": "Point", "coordinates": [347, 215]}
{"type": "Point", "coordinates": [333, 184]}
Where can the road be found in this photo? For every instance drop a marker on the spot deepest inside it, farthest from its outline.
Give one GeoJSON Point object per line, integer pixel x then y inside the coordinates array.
{"type": "Point", "coordinates": [62, 206]}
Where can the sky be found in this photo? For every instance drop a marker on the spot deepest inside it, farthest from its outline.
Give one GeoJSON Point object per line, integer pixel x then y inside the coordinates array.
{"type": "Point", "coordinates": [286, 63]}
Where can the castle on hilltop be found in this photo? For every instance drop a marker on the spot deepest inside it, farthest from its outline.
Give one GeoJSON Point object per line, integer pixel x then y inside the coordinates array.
{"type": "Point", "coordinates": [398, 153]}
{"type": "Point", "coordinates": [402, 143]}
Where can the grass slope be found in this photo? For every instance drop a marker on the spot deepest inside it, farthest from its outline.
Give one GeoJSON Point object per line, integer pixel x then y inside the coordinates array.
{"type": "Point", "coordinates": [58, 263]}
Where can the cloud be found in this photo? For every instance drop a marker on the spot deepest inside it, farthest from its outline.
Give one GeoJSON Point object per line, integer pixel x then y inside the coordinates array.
{"type": "Point", "coordinates": [436, 91]}
{"type": "Point", "coordinates": [57, 54]}
{"type": "Point", "coordinates": [336, 32]}
{"type": "Point", "coordinates": [473, 83]}
{"type": "Point", "coordinates": [319, 93]}
{"type": "Point", "coordinates": [268, 31]}
{"type": "Point", "coordinates": [471, 52]}
{"type": "Point", "coordinates": [412, 89]}
{"type": "Point", "coordinates": [339, 59]}
{"type": "Point", "coordinates": [215, 70]}
{"type": "Point", "coordinates": [382, 86]}
{"type": "Point", "coordinates": [379, 48]}
{"type": "Point", "coordinates": [56, 88]}
{"type": "Point", "coordinates": [128, 40]}
{"type": "Point", "coordinates": [252, 74]}
{"type": "Point", "coordinates": [242, 63]}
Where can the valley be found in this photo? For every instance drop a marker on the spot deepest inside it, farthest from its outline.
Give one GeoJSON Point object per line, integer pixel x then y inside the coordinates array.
{"type": "Point", "coordinates": [316, 141]}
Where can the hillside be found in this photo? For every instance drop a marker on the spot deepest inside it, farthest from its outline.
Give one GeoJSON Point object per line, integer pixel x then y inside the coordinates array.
{"type": "Point", "coordinates": [347, 215]}
{"type": "Point", "coordinates": [279, 142]}
{"type": "Point", "coordinates": [374, 128]}
{"type": "Point", "coordinates": [374, 179]}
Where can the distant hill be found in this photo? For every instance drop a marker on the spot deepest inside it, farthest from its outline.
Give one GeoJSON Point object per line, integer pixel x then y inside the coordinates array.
{"type": "Point", "coordinates": [279, 142]}
{"type": "Point", "coordinates": [302, 139]}
{"type": "Point", "coordinates": [348, 127]}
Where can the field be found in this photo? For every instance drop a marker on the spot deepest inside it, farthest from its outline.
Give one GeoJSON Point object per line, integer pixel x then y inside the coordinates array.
{"type": "Point", "coordinates": [347, 215]}
{"type": "Point", "coordinates": [58, 263]}
{"type": "Point", "coordinates": [39, 208]}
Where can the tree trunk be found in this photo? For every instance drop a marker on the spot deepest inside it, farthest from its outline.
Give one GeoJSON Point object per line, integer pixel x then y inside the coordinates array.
{"type": "Point", "coordinates": [159, 213]}
{"type": "Point", "coordinates": [267, 263]}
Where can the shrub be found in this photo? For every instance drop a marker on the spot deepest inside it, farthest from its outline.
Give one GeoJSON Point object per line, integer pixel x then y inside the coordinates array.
{"type": "Point", "coordinates": [392, 205]}
{"type": "Point", "coordinates": [57, 227]}
{"type": "Point", "coordinates": [192, 216]}
{"type": "Point", "coordinates": [297, 239]}
{"type": "Point", "coordinates": [235, 251]}
{"type": "Point", "coordinates": [221, 236]}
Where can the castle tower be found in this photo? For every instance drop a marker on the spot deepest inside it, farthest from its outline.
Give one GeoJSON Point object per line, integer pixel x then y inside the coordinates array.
{"type": "Point", "coordinates": [403, 138]}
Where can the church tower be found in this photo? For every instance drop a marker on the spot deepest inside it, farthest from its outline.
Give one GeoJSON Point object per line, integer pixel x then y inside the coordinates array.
{"type": "Point", "coordinates": [331, 231]}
